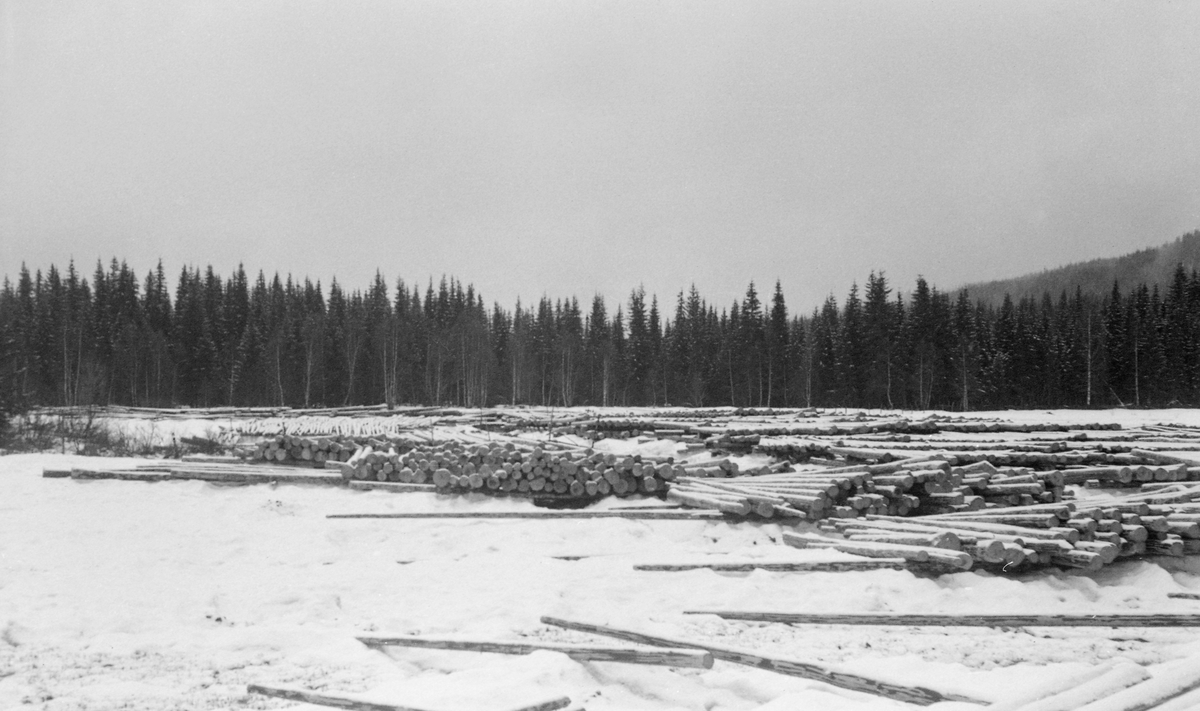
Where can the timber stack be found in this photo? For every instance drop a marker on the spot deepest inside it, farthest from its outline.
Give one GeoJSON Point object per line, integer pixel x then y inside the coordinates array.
{"type": "Point", "coordinates": [508, 469]}
{"type": "Point", "coordinates": [915, 486]}
{"type": "Point", "coordinates": [314, 451]}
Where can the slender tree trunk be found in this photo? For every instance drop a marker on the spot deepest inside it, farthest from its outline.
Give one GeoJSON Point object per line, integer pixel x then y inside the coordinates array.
{"type": "Point", "coordinates": [770, 380]}
{"type": "Point", "coordinates": [279, 372]}
{"type": "Point", "coordinates": [889, 382]}
{"type": "Point", "coordinates": [732, 399]}
{"type": "Point", "coordinates": [965, 404]}
{"type": "Point", "coordinates": [1137, 393]}
{"type": "Point", "coordinates": [605, 379]}
{"type": "Point", "coordinates": [1089, 359]}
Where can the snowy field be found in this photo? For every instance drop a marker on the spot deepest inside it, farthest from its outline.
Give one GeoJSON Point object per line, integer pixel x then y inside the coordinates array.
{"type": "Point", "coordinates": [175, 595]}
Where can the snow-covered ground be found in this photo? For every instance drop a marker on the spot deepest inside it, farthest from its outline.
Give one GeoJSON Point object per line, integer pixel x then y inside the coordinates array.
{"type": "Point", "coordinates": [175, 595]}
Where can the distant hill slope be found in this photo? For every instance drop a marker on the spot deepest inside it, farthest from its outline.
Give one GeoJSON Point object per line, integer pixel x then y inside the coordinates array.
{"type": "Point", "coordinates": [1155, 265]}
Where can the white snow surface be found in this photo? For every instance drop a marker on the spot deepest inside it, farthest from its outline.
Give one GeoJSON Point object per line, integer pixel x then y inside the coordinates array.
{"type": "Point", "coordinates": [175, 595]}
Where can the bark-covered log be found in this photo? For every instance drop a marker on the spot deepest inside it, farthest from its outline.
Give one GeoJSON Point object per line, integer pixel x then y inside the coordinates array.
{"type": "Point", "coordinates": [1097, 683]}
{"type": "Point", "coordinates": [807, 670]}
{"type": "Point", "coordinates": [958, 620]}
{"type": "Point", "coordinates": [580, 652]}
{"type": "Point", "coordinates": [837, 566]}
{"type": "Point", "coordinates": [356, 704]}
{"type": "Point", "coordinates": [660, 514]}
{"type": "Point", "coordinates": [1162, 687]}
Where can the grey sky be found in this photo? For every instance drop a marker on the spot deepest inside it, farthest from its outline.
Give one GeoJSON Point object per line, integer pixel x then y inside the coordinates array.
{"type": "Point", "coordinates": [575, 147]}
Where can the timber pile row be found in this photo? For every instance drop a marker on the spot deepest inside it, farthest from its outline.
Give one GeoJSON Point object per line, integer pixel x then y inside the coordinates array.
{"type": "Point", "coordinates": [930, 426]}
{"type": "Point", "coordinates": [902, 488]}
{"type": "Point", "coordinates": [1039, 456]}
{"type": "Point", "coordinates": [1009, 519]}
{"type": "Point", "coordinates": [1064, 534]}
{"type": "Point", "coordinates": [345, 426]}
{"type": "Point", "coordinates": [506, 469]}
{"type": "Point", "coordinates": [294, 449]}
{"type": "Point", "coordinates": [596, 427]}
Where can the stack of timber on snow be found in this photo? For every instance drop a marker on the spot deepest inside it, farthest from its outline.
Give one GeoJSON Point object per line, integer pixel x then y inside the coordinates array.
{"type": "Point", "coordinates": [302, 450]}
{"type": "Point", "coordinates": [507, 469]}
{"type": "Point", "coordinates": [915, 486]}
{"type": "Point", "coordinates": [931, 513]}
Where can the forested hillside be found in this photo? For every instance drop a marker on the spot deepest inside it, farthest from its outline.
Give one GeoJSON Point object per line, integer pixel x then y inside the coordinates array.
{"type": "Point", "coordinates": [1153, 267]}
{"type": "Point", "coordinates": [242, 340]}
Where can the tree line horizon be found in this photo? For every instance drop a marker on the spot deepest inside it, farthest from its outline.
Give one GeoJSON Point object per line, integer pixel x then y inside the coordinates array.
{"type": "Point", "coordinates": [117, 339]}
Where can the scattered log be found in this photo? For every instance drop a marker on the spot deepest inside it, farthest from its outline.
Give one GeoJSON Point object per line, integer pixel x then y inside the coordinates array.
{"type": "Point", "coordinates": [918, 554]}
{"type": "Point", "coordinates": [390, 486]}
{"type": "Point", "coordinates": [958, 620]}
{"type": "Point", "coordinates": [1101, 682]}
{"type": "Point", "coordinates": [122, 474]}
{"type": "Point", "coordinates": [579, 652]}
{"type": "Point", "coordinates": [255, 477]}
{"type": "Point", "coordinates": [1164, 686]}
{"type": "Point", "coordinates": [1164, 458]}
{"type": "Point", "coordinates": [807, 670]}
{"type": "Point", "coordinates": [838, 566]}
{"type": "Point", "coordinates": [656, 514]}
{"type": "Point", "coordinates": [211, 459]}
{"type": "Point", "coordinates": [356, 704]}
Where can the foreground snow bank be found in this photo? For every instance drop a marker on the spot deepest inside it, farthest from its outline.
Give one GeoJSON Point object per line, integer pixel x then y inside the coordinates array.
{"type": "Point", "coordinates": [174, 595]}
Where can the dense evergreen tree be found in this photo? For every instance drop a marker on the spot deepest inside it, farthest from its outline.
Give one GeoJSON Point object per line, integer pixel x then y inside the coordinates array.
{"type": "Point", "coordinates": [66, 338]}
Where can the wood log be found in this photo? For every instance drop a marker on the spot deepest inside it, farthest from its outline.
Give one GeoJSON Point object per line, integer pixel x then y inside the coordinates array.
{"type": "Point", "coordinates": [1180, 678]}
{"type": "Point", "coordinates": [791, 667]}
{"type": "Point", "coordinates": [1164, 458]}
{"type": "Point", "coordinates": [988, 547]}
{"type": "Point", "coordinates": [697, 500]}
{"type": "Point", "coordinates": [918, 554]}
{"type": "Point", "coordinates": [1188, 701]}
{"type": "Point", "coordinates": [1062, 510]}
{"type": "Point", "coordinates": [1069, 535]}
{"type": "Point", "coordinates": [1100, 682]}
{"type": "Point", "coordinates": [580, 652]}
{"type": "Point", "coordinates": [122, 474]}
{"type": "Point", "coordinates": [256, 477]}
{"type": "Point", "coordinates": [959, 620]}
{"type": "Point", "coordinates": [1184, 595]}
{"type": "Point", "coordinates": [665, 515]}
{"type": "Point", "coordinates": [838, 566]}
{"type": "Point", "coordinates": [942, 539]}
{"type": "Point", "coordinates": [1168, 547]}
{"type": "Point", "coordinates": [210, 459]}
{"type": "Point", "coordinates": [358, 704]}
{"type": "Point", "coordinates": [391, 486]}
{"type": "Point", "coordinates": [1108, 552]}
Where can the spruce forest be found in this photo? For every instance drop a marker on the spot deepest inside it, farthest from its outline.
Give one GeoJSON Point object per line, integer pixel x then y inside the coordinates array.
{"type": "Point", "coordinates": [116, 338]}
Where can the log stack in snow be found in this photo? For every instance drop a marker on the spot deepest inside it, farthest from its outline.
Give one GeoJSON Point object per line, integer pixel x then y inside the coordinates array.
{"type": "Point", "coordinates": [290, 449]}
{"type": "Point", "coordinates": [507, 469]}
{"type": "Point", "coordinates": [899, 488]}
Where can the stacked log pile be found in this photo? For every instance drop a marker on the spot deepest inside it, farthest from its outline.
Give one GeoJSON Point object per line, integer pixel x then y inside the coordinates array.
{"type": "Point", "coordinates": [508, 469]}
{"type": "Point", "coordinates": [899, 488]}
{"type": "Point", "coordinates": [932, 512]}
{"type": "Point", "coordinates": [1055, 534]}
{"type": "Point", "coordinates": [292, 449]}
{"type": "Point", "coordinates": [1088, 535]}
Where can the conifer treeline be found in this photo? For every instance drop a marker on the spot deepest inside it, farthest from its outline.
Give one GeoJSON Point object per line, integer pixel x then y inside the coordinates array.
{"type": "Point", "coordinates": [115, 339]}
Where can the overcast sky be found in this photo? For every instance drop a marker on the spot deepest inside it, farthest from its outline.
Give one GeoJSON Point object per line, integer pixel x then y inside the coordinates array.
{"type": "Point", "coordinates": [576, 147]}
